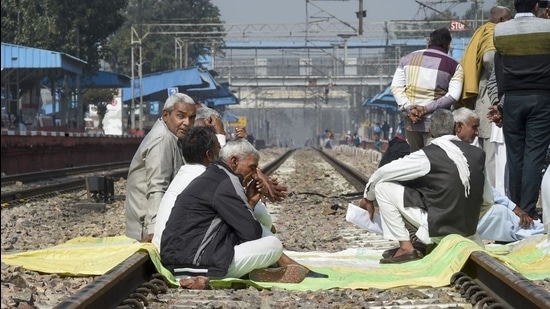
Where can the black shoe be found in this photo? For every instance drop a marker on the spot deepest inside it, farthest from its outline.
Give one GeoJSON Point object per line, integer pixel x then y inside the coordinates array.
{"type": "Point", "coordinates": [409, 256]}
{"type": "Point", "coordinates": [420, 247]}
{"type": "Point", "coordinates": [389, 253]}
{"type": "Point", "coordinates": [314, 274]}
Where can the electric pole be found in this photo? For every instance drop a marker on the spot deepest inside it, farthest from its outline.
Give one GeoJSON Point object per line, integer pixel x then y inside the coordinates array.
{"type": "Point", "coordinates": [361, 14]}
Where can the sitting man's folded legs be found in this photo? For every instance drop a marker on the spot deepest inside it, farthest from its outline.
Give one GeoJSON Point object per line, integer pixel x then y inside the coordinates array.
{"type": "Point", "coordinates": [394, 214]}
{"type": "Point", "coordinates": [250, 255]}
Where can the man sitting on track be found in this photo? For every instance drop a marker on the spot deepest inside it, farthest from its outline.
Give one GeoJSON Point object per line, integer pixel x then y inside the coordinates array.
{"type": "Point", "coordinates": [155, 164]}
{"type": "Point", "coordinates": [273, 190]}
{"type": "Point", "coordinates": [212, 230]}
{"type": "Point", "coordinates": [199, 150]}
{"type": "Point", "coordinates": [440, 190]}
{"type": "Point", "coordinates": [504, 221]}
{"type": "Point", "coordinates": [200, 147]}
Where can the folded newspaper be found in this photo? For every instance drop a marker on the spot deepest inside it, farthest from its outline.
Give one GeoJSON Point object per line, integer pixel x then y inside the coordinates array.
{"type": "Point", "coordinates": [360, 217]}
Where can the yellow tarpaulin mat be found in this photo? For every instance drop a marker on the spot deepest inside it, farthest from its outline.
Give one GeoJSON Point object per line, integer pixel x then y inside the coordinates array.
{"type": "Point", "coordinates": [352, 268]}
{"type": "Point", "coordinates": [85, 256]}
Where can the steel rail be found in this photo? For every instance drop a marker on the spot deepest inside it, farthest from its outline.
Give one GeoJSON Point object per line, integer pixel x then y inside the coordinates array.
{"type": "Point", "coordinates": [24, 194]}
{"type": "Point", "coordinates": [115, 286]}
{"type": "Point", "coordinates": [272, 166]}
{"type": "Point", "coordinates": [502, 284]}
{"type": "Point", "coordinates": [353, 176]}
{"type": "Point", "coordinates": [44, 175]}
{"type": "Point", "coordinates": [62, 186]}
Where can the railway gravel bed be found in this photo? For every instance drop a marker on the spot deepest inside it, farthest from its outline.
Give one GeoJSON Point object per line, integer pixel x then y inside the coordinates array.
{"type": "Point", "coordinates": [311, 219]}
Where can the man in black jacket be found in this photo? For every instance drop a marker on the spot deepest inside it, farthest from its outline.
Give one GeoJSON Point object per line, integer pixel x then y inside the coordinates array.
{"type": "Point", "coordinates": [212, 231]}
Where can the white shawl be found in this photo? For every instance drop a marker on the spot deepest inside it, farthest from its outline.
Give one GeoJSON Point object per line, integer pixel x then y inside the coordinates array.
{"type": "Point", "coordinates": [457, 156]}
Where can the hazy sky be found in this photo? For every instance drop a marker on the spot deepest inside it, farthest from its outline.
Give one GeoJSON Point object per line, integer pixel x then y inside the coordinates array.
{"type": "Point", "coordinates": [294, 11]}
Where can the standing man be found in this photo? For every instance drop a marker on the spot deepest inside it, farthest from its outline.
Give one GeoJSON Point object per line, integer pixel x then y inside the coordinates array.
{"type": "Point", "coordinates": [386, 131]}
{"type": "Point", "coordinates": [478, 64]}
{"type": "Point", "coordinates": [522, 66]}
{"type": "Point", "coordinates": [155, 164]}
{"type": "Point", "coordinates": [424, 81]}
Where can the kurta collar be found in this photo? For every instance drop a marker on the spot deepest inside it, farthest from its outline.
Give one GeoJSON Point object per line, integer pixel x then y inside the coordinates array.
{"type": "Point", "coordinates": [524, 14]}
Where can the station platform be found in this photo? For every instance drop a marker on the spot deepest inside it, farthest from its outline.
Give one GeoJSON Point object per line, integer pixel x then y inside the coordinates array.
{"type": "Point", "coordinates": [32, 151]}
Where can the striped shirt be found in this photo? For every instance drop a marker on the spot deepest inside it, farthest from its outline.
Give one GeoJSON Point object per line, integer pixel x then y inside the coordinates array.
{"type": "Point", "coordinates": [427, 77]}
{"type": "Point", "coordinates": [523, 55]}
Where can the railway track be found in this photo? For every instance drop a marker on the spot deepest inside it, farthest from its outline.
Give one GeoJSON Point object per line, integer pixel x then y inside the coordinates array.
{"type": "Point", "coordinates": [64, 172]}
{"type": "Point", "coordinates": [483, 282]}
{"type": "Point", "coordinates": [63, 180]}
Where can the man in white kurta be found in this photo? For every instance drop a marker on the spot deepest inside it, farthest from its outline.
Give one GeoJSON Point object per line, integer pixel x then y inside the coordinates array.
{"type": "Point", "coordinates": [501, 223]}
{"type": "Point", "coordinates": [387, 190]}
{"type": "Point", "coordinates": [185, 175]}
{"type": "Point", "coordinates": [440, 190]}
{"type": "Point", "coordinates": [545, 197]}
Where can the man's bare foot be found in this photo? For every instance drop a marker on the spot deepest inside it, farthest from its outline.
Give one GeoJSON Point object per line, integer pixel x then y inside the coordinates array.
{"type": "Point", "coordinates": [195, 283]}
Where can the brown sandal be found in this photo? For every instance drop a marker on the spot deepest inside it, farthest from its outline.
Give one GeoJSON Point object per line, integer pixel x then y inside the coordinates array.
{"type": "Point", "coordinates": [290, 274]}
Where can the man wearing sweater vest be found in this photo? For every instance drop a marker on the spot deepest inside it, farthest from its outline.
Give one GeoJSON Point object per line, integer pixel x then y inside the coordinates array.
{"type": "Point", "coordinates": [522, 67]}
{"type": "Point", "coordinates": [439, 190]}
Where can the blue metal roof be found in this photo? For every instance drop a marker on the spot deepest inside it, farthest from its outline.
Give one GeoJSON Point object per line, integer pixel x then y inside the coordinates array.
{"type": "Point", "coordinates": [383, 99]}
{"type": "Point", "coordinates": [198, 84]}
{"type": "Point", "coordinates": [103, 79]}
{"type": "Point", "coordinates": [209, 79]}
{"type": "Point", "coordinates": [227, 100]}
{"type": "Point", "coordinates": [22, 57]}
{"type": "Point", "coordinates": [215, 94]}
{"type": "Point", "coordinates": [100, 79]}
{"type": "Point", "coordinates": [161, 81]}
{"type": "Point", "coordinates": [227, 116]}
